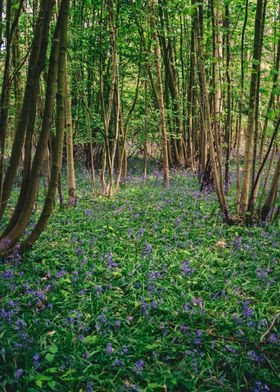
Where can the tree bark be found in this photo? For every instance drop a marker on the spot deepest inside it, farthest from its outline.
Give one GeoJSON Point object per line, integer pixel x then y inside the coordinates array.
{"type": "Point", "coordinates": [60, 126]}
{"type": "Point", "coordinates": [161, 97]}
{"type": "Point", "coordinates": [72, 197]}
{"type": "Point", "coordinates": [36, 62]}
{"type": "Point", "coordinates": [260, 13]}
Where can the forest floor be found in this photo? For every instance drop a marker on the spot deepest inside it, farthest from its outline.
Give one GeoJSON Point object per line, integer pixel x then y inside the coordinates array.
{"type": "Point", "coordinates": [147, 291]}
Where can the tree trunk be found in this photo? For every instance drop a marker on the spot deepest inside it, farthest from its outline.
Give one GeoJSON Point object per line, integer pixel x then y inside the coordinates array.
{"type": "Point", "coordinates": [21, 216]}
{"type": "Point", "coordinates": [72, 200]}
{"type": "Point", "coordinates": [60, 125]}
{"type": "Point", "coordinates": [161, 98]}
{"type": "Point", "coordinates": [228, 77]}
{"type": "Point", "coordinates": [239, 129]}
{"type": "Point", "coordinates": [35, 66]}
{"type": "Point", "coordinates": [208, 127]}
{"type": "Point", "coordinates": [260, 13]}
{"type": "Point", "coordinates": [271, 197]}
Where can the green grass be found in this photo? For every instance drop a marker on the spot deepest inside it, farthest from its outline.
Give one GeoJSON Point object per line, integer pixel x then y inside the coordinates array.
{"type": "Point", "coordinates": [147, 291]}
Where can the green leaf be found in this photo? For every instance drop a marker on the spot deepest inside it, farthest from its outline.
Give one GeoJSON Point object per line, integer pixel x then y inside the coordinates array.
{"type": "Point", "coordinates": [90, 339]}
{"type": "Point", "coordinates": [52, 384]}
{"type": "Point", "coordinates": [53, 349]}
{"type": "Point", "coordinates": [49, 357]}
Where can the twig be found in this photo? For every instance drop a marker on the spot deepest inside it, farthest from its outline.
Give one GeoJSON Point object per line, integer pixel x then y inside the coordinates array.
{"type": "Point", "coordinates": [270, 328]}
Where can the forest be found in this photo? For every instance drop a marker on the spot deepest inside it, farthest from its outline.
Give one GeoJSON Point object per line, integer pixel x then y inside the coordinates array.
{"type": "Point", "coordinates": [139, 195]}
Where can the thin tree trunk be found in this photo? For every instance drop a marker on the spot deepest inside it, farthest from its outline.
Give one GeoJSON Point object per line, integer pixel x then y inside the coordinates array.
{"type": "Point", "coordinates": [207, 120]}
{"type": "Point", "coordinates": [10, 29]}
{"type": "Point", "coordinates": [60, 124]}
{"type": "Point", "coordinates": [161, 98]}
{"type": "Point", "coordinates": [145, 132]}
{"type": "Point", "coordinates": [239, 130]}
{"type": "Point", "coordinates": [260, 12]}
{"type": "Point", "coordinates": [21, 216]}
{"type": "Point", "coordinates": [36, 62]}
{"type": "Point", "coordinates": [271, 197]}
{"type": "Point", "coordinates": [69, 145]}
{"type": "Point", "coordinates": [228, 77]}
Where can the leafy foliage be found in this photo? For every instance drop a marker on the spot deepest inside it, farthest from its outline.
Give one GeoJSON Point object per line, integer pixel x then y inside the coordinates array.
{"type": "Point", "coordinates": [147, 291]}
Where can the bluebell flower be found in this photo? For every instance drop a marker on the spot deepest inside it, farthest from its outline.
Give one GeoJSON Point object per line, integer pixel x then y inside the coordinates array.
{"type": "Point", "coordinates": [117, 363]}
{"type": "Point", "coordinates": [60, 274]}
{"type": "Point", "coordinates": [247, 311]}
{"type": "Point", "coordinates": [139, 366]}
{"type": "Point", "coordinates": [255, 357]}
{"type": "Point", "coordinates": [186, 269]}
{"type": "Point", "coordinates": [109, 349]}
{"type": "Point", "coordinates": [197, 301]}
{"type": "Point", "coordinates": [118, 323]}
{"type": "Point", "coordinates": [187, 307]}
{"type": "Point", "coordinates": [19, 373]}
{"type": "Point", "coordinates": [36, 357]}
{"type": "Point", "coordinates": [260, 387]}
{"type": "Point", "coordinates": [273, 338]}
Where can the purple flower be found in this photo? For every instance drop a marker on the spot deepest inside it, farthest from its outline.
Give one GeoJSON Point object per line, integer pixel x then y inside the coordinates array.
{"type": "Point", "coordinates": [117, 363]}
{"type": "Point", "coordinates": [154, 304]}
{"type": "Point", "coordinates": [148, 250]}
{"type": "Point", "coordinates": [109, 349]}
{"type": "Point", "coordinates": [139, 366]}
{"type": "Point", "coordinates": [40, 295]}
{"type": "Point", "coordinates": [197, 339]}
{"type": "Point", "coordinates": [36, 357]}
{"type": "Point", "coordinates": [60, 274]}
{"type": "Point", "coordinates": [260, 387]}
{"type": "Point", "coordinates": [87, 212]}
{"type": "Point", "coordinates": [255, 357]}
{"type": "Point", "coordinates": [144, 307]}
{"type": "Point", "coordinates": [262, 274]}
{"type": "Point", "coordinates": [83, 292]}
{"type": "Point", "coordinates": [197, 301]}
{"type": "Point", "coordinates": [19, 373]}
{"type": "Point", "coordinates": [177, 221]}
{"type": "Point", "coordinates": [98, 290]}
{"type": "Point", "coordinates": [187, 307]}
{"type": "Point", "coordinates": [186, 270]}
{"type": "Point", "coordinates": [238, 243]}
{"type": "Point", "coordinates": [184, 328]}
{"type": "Point", "coordinates": [262, 323]}
{"type": "Point", "coordinates": [124, 350]}
{"type": "Point", "coordinates": [20, 324]}
{"type": "Point", "coordinates": [110, 263]}
{"type": "Point", "coordinates": [273, 338]}
{"type": "Point", "coordinates": [247, 311]}
{"type": "Point", "coordinates": [154, 275]}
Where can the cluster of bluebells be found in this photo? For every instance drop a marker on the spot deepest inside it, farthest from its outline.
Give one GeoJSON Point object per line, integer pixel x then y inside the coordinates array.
{"type": "Point", "coordinates": [159, 285]}
{"type": "Point", "coordinates": [186, 269]}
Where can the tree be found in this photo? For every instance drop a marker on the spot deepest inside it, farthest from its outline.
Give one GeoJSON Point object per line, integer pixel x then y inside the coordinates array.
{"type": "Point", "coordinates": [161, 97]}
